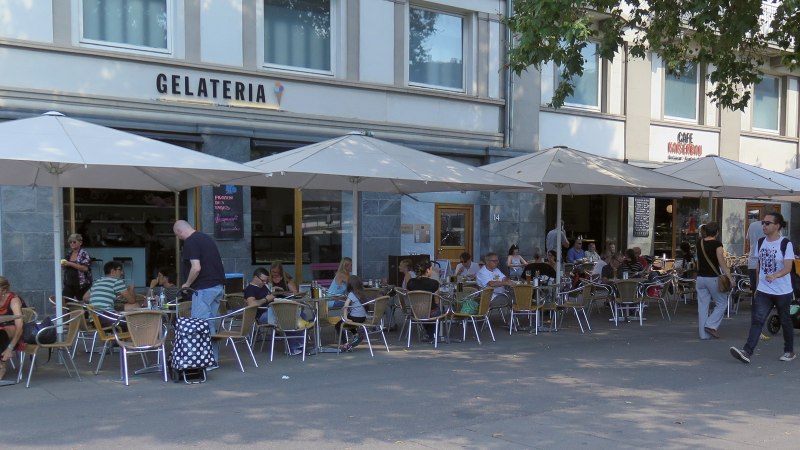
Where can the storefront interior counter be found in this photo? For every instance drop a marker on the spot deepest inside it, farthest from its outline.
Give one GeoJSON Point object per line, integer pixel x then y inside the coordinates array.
{"type": "Point", "coordinates": [133, 259]}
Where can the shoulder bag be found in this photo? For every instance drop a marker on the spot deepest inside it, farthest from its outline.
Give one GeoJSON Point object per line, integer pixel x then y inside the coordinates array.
{"type": "Point", "coordinates": [723, 282]}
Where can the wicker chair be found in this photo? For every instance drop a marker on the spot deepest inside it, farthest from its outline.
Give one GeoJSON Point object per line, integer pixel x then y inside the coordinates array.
{"type": "Point", "coordinates": [523, 306]}
{"type": "Point", "coordinates": [686, 290]}
{"type": "Point", "coordinates": [146, 334]}
{"type": "Point", "coordinates": [657, 292]}
{"type": "Point", "coordinates": [420, 304]}
{"type": "Point", "coordinates": [231, 302]}
{"type": "Point", "coordinates": [287, 320]}
{"type": "Point", "coordinates": [481, 315]}
{"type": "Point", "coordinates": [86, 332]}
{"type": "Point", "coordinates": [581, 300]}
{"type": "Point", "coordinates": [246, 319]}
{"type": "Point", "coordinates": [373, 324]}
{"type": "Point", "coordinates": [629, 297]}
{"type": "Point", "coordinates": [72, 321]}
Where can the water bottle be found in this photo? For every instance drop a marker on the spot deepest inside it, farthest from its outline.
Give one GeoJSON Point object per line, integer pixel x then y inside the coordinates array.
{"type": "Point", "coordinates": [149, 302]}
{"type": "Point", "coordinates": [161, 299]}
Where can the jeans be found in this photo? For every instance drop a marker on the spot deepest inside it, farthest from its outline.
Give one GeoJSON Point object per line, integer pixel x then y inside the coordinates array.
{"type": "Point", "coordinates": [708, 290]}
{"type": "Point", "coordinates": [205, 304]}
{"type": "Point", "coordinates": [762, 305]}
{"type": "Point", "coordinates": [753, 275]}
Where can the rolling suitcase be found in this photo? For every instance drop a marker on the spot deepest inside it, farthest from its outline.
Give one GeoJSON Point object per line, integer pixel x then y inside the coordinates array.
{"type": "Point", "coordinates": [191, 351]}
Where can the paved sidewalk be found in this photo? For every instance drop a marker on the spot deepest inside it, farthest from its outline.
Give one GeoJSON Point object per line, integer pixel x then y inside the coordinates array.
{"type": "Point", "coordinates": [627, 387]}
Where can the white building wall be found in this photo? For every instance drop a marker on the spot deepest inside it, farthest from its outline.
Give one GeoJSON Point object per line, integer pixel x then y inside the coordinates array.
{"type": "Point", "coordinates": [30, 20]}
{"type": "Point", "coordinates": [495, 59]}
{"type": "Point", "coordinates": [776, 155]}
{"type": "Point", "coordinates": [221, 32]}
{"type": "Point", "coordinates": [377, 52]}
{"type": "Point", "coordinates": [792, 107]}
{"type": "Point", "coordinates": [604, 137]}
{"type": "Point", "coordinates": [657, 84]}
{"type": "Point", "coordinates": [616, 84]}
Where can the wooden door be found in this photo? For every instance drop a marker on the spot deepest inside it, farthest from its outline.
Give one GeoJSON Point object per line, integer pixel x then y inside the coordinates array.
{"type": "Point", "coordinates": [453, 231]}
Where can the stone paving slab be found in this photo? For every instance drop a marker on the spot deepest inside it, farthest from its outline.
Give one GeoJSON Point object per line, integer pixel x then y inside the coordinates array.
{"type": "Point", "coordinates": [615, 387]}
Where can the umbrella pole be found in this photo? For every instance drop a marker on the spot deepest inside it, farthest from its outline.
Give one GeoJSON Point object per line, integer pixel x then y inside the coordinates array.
{"type": "Point", "coordinates": [354, 234]}
{"type": "Point", "coordinates": [558, 239]}
{"type": "Point", "coordinates": [58, 222]}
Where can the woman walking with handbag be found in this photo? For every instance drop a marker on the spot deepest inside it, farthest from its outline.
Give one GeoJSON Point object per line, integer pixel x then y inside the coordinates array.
{"type": "Point", "coordinates": [711, 284]}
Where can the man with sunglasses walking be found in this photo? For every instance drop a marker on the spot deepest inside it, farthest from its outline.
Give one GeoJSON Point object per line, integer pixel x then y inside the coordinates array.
{"type": "Point", "coordinates": [775, 258]}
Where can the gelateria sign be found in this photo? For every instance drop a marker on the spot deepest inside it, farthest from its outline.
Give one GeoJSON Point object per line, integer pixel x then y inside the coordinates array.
{"type": "Point", "coordinates": [219, 90]}
{"type": "Point", "coordinates": [670, 144]}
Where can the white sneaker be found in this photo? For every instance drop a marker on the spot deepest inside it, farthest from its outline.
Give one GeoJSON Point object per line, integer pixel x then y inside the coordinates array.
{"type": "Point", "coordinates": [788, 356]}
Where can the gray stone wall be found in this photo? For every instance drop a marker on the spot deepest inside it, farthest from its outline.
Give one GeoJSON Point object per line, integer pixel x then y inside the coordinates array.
{"type": "Point", "coordinates": [27, 235]}
{"type": "Point", "coordinates": [379, 222]}
{"type": "Point", "coordinates": [511, 218]}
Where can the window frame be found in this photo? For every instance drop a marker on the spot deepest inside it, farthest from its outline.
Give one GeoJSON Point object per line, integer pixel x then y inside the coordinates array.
{"type": "Point", "coordinates": [465, 34]}
{"type": "Point", "coordinates": [139, 49]}
{"type": "Point", "coordinates": [336, 30]}
{"type": "Point", "coordinates": [697, 95]}
{"type": "Point", "coordinates": [778, 112]}
{"type": "Point", "coordinates": [600, 77]}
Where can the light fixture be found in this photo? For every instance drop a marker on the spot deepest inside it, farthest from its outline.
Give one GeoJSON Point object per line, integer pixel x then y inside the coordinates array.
{"type": "Point", "coordinates": [669, 209]}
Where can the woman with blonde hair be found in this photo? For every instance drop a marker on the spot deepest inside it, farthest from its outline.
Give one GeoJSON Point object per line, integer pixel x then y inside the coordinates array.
{"type": "Point", "coordinates": [280, 279]}
{"type": "Point", "coordinates": [339, 283]}
{"type": "Point", "coordinates": [77, 269]}
{"type": "Point", "coordinates": [11, 331]}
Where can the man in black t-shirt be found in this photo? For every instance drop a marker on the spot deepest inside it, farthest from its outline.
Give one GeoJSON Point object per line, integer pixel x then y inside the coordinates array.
{"type": "Point", "coordinates": [204, 273]}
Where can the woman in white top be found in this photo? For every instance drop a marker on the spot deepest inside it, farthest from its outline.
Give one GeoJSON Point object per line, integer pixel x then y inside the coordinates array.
{"type": "Point", "coordinates": [515, 263]}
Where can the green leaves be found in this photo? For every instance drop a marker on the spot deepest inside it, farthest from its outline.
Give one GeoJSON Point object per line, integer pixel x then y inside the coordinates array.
{"type": "Point", "coordinates": [735, 37]}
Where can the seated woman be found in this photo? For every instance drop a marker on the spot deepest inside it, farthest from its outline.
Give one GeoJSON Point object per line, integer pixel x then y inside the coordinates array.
{"type": "Point", "coordinates": [515, 263]}
{"type": "Point", "coordinates": [631, 264]}
{"type": "Point", "coordinates": [551, 259]}
{"type": "Point", "coordinates": [423, 282]}
{"type": "Point", "coordinates": [404, 267]}
{"type": "Point", "coordinates": [165, 280]}
{"type": "Point", "coordinates": [355, 310]}
{"type": "Point", "coordinates": [339, 284]}
{"type": "Point", "coordinates": [11, 331]}
{"type": "Point", "coordinates": [280, 279]}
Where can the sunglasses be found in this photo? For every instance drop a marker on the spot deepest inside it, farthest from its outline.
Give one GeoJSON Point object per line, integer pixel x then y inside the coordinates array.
{"type": "Point", "coordinates": [767, 222]}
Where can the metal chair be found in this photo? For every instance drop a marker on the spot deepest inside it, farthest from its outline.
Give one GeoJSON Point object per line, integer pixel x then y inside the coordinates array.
{"type": "Point", "coordinates": [106, 334]}
{"type": "Point", "coordinates": [523, 306]}
{"type": "Point", "coordinates": [629, 297]}
{"type": "Point", "coordinates": [373, 324]}
{"type": "Point", "coordinates": [146, 334]}
{"type": "Point", "coordinates": [420, 304]}
{"type": "Point", "coordinates": [583, 299]}
{"type": "Point", "coordinates": [288, 320]}
{"type": "Point", "coordinates": [481, 316]}
{"type": "Point", "coordinates": [246, 319]}
{"type": "Point", "coordinates": [71, 320]}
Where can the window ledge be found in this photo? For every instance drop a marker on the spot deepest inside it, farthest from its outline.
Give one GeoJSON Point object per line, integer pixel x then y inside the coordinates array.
{"type": "Point", "coordinates": [572, 111]}
{"type": "Point", "coordinates": [689, 125]}
{"type": "Point", "coordinates": [769, 136]}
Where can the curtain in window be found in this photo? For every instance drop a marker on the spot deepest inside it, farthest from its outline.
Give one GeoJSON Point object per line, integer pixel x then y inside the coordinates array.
{"type": "Point", "coordinates": [297, 33]}
{"type": "Point", "coordinates": [766, 103]}
{"type": "Point", "coordinates": [680, 94]}
{"type": "Point", "coordinates": [141, 23]}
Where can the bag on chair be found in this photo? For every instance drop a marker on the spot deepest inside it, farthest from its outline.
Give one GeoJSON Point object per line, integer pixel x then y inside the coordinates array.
{"type": "Point", "coordinates": [31, 329]}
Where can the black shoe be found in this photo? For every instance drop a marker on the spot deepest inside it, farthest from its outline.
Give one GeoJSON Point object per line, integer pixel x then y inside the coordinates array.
{"type": "Point", "coordinates": [714, 333]}
{"type": "Point", "coordinates": [741, 355]}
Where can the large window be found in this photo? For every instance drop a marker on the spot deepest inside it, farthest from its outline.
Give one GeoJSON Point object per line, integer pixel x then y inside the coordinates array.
{"type": "Point", "coordinates": [587, 86]}
{"type": "Point", "coordinates": [766, 104]}
{"type": "Point", "coordinates": [297, 34]}
{"type": "Point", "coordinates": [680, 94]}
{"type": "Point", "coordinates": [436, 49]}
{"type": "Point", "coordinates": [129, 23]}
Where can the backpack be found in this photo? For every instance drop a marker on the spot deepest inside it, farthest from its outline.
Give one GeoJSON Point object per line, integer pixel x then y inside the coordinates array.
{"type": "Point", "coordinates": [792, 273]}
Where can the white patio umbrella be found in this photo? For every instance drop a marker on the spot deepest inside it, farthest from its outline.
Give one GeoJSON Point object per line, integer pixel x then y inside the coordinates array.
{"type": "Point", "coordinates": [562, 170]}
{"type": "Point", "coordinates": [733, 179]}
{"type": "Point", "coordinates": [358, 162]}
{"type": "Point", "coordinates": [56, 151]}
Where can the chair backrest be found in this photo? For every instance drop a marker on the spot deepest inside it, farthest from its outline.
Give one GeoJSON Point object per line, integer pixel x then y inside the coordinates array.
{"type": "Point", "coordinates": [235, 302]}
{"type": "Point", "coordinates": [485, 302]}
{"type": "Point", "coordinates": [184, 309]}
{"type": "Point", "coordinates": [102, 334]}
{"type": "Point", "coordinates": [373, 293]}
{"type": "Point", "coordinates": [28, 315]}
{"type": "Point", "coordinates": [420, 303]}
{"type": "Point", "coordinates": [402, 299]}
{"type": "Point", "coordinates": [248, 320]}
{"type": "Point", "coordinates": [286, 314]}
{"type": "Point", "coordinates": [628, 290]}
{"type": "Point", "coordinates": [379, 306]}
{"type": "Point", "coordinates": [72, 320]}
{"type": "Point", "coordinates": [523, 297]}
{"type": "Point", "coordinates": [585, 296]}
{"type": "Point", "coordinates": [145, 328]}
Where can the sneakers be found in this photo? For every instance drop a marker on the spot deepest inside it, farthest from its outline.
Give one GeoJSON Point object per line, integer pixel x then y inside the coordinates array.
{"type": "Point", "coordinates": [295, 352]}
{"type": "Point", "coordinates": [788, 356]}
{"type": "Point", "coordinates": [741, 355]}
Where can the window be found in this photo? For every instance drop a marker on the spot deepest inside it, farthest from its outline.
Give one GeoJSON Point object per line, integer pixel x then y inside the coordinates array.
{"type": "Point", "coordinates": [131, 23]}
{"type": "Point", "coordinates": [766, 104]}
{"type": "Point", "coordinates": [436, 49]}
{"type": "Point", "coordinates": [587, 86]}
{"type": "Point", "coordinates": [680, 94]}
{"type": "Point", "coordinates": [297, 34]}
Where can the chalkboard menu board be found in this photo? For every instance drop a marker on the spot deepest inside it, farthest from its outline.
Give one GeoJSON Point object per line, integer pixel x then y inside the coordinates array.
{"type": "Point", "coordinates": [228, 217]}
{"type": "Point", "coordinates": [641, 217]}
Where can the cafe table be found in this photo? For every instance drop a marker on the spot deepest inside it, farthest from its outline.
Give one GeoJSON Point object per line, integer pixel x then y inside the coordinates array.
{"type": "Point", "coordinates": [545, 297]}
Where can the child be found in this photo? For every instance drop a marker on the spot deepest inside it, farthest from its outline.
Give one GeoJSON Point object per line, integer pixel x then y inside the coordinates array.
{"type": "Point", "coordinates": [355, 312]}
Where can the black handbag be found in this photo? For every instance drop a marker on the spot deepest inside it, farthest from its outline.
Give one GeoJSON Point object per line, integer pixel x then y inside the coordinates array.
{"type": "Point", "coordinates": [31, 329]}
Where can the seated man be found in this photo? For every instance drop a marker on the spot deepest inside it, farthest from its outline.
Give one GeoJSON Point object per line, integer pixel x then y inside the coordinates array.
{"type": "Point", "coordinates": [637, 251]}
{"type": "Point", "coordinates": [105, 291]}
{"type": "Point", "coordinates": [491, 276]}
{"type": "Point", "coordinates": [631, 263]}
{"type": "Point", "coordinates": [467, 268]}
{"type": "Point", "coordinates": [257, 293]}
{"type": "Point", "coordinates": [576, 253]}
{"type": "Point", "coordinates": [166, 280]}
{"type": "Point", "coordinates": [613, 269]}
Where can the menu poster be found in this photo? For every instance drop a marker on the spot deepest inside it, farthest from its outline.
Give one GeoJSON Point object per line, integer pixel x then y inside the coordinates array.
{"type": "Point", "coordinates": [228, 217]}
{"type": "Point", "coordinates": [641, 217]}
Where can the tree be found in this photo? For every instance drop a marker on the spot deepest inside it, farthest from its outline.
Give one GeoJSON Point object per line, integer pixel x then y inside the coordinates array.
{"type": "Point", "coordinates": [733, 37]}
